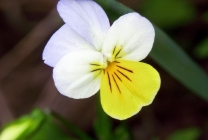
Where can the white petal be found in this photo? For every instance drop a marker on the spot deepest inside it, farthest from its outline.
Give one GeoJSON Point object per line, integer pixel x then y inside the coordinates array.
{"type": "Point", "coordinates": [131, 33]}
{"type": "Point", "coordinates": [87, 18]}
{"type": "Point", "coordinates": [63, 41]}
{"type": "Point", "coordinates": [74, 76]}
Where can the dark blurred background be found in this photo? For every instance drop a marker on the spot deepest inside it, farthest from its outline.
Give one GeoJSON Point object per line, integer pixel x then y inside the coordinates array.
{"type": "Point", "coordinates": [26, 82]}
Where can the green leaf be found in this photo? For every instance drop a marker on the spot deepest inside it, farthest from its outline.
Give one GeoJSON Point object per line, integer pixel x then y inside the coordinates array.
{"type": "Point", "coordinates": [168, 55]}
{"type": "Point", "coordinates": [164, 14]}
{"type": "Point", "coordinates": [178, 64]}
{"type": "Point", "coordinates": [35, 126]}
{"type": "Point", "coordinates": [201, 50]}
{"type": "Point", "coordinates": [103, 123]}
{"type": "Point", "coordinates": [186, 134]}
{"type": "Point", "coordinates": [22, 127]}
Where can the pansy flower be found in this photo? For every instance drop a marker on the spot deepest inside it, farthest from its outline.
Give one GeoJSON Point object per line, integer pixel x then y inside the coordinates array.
{"type": "Point", "coordinates": [88, 55]}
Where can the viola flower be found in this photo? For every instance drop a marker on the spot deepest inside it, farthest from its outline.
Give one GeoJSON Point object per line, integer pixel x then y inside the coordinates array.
{"type": "Point", "coordinates": [87, 55]}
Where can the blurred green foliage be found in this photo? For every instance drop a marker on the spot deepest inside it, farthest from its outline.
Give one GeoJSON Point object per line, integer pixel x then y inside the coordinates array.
{"type": "Point", "coordinates": [49, 130]}
{"type": "Point", "coordinates": [122, 132]}
{"type": "Point", "coordinates": [71, 127]}
{"type": "Point", "coordinates": [186, 134]}
{"type": "Point", "coordinates": [201, 50]}
{"type": "Point", "coordinates": [22, 127]}
{"type": "Point", "coordinates": [35, 126]}
{"type": "Point", "coordinates": [41, 125]}
{"type": "Point", "coordinates": [168, 13]}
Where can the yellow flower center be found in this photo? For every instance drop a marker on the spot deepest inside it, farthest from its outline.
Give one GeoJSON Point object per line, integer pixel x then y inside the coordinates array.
{"type": "Point", "coordinates": [109, 62]}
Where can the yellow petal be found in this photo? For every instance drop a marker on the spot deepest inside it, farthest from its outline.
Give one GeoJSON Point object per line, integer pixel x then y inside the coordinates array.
{"type": "Point", "coordinates": [127, 86]}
